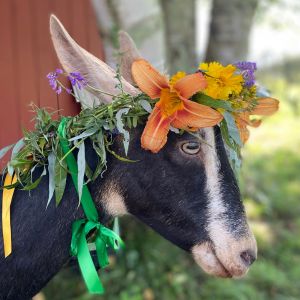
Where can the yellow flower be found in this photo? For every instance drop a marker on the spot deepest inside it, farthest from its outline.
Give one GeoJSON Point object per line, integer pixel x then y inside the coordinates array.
{"type": "Point", "coordinates": [176, 77]}
{"type": "Point", "coordinates": [221, 81]}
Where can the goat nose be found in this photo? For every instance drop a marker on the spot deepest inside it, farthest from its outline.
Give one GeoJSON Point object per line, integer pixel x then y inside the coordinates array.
{"type": "Point", "coordinates": [248, 257]}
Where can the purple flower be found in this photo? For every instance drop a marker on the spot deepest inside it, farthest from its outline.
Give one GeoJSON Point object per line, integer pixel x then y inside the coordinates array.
{"type": "Point", "coordinates": [76, 79]}
{"type": "Point", "coordinates": [69, 91]}
{"type": "Point", "coordinates": [59, 71]}
{"type": "Point", "coordinates": [52, 78]}
{"type": "Point", "coordinates": [58, 90]}
{"type": "Point", "coordinates": [247, 69]}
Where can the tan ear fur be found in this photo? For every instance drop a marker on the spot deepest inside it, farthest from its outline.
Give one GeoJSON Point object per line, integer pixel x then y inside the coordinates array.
{"type": "Point", "coordinates": [129, 54]}
{"type": "Point", "coordinates": [76, 59]}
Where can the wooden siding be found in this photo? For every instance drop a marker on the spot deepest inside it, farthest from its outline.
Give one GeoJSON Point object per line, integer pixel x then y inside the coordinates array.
{"type": "Point", "coordinates": [27, 55]}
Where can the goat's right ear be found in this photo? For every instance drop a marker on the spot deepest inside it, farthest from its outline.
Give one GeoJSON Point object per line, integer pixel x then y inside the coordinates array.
{"type": "Point", "coordinates": [129, 53]}
{"type": "Point", "coordinates": [76, 59]}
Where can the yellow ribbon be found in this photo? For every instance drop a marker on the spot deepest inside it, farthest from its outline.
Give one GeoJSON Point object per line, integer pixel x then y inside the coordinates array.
{"type": "Point", "coordinates": [7, 196]}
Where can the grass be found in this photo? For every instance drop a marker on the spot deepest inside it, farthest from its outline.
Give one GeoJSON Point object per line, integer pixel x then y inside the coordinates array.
{"type": "Point", "coordinates": [150, 268]}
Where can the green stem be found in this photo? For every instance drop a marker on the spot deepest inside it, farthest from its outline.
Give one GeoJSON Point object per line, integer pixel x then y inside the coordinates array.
{"type": "Point", "coordinates": [100, 91]}
{"type": "Point", "coordinates": [72, 149]}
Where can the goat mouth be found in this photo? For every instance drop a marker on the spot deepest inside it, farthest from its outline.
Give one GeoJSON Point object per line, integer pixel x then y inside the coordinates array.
{"type": "Point", "coordinates": [205, 256]}
{"type": "Point", "coordinates": [226, 273]}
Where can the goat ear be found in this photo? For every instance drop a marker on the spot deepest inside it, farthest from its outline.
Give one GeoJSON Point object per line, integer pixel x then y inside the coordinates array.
{"type": "Point", "coordinates": [129, 54]}
{"type": "Point", "coordinates": [76, 59]}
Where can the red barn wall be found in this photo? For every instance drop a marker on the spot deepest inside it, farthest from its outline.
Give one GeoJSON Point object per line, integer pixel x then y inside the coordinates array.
{"type": "Point", "coordinates": [27, 56]}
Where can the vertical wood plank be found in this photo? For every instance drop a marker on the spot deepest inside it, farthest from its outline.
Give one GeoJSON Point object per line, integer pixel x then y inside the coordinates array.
{"type": "Point", "coordinates": [95, 44]}
{"type": "Point", "coordinates": [45, 54]}
{"type": "Point", "coordinates": [9, 111]}
{"type": "Point", "coordinates": [25, 62]}
{"type": "Point", "coordinates": [79, 22]}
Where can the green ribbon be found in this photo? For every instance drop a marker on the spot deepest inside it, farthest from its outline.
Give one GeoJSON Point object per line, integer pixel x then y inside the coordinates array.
{"type": "Point", "coordinates": [89, 228]}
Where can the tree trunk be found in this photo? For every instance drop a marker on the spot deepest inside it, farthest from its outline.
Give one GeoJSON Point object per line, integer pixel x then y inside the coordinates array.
{"type": "Point", "coordinates": [180, 34]}
{"type": "Point", "coordinates": [230, 27]}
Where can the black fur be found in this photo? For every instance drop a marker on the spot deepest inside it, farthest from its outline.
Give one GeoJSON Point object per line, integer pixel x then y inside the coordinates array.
{"type": "Point", "coordinates": [165, 190]}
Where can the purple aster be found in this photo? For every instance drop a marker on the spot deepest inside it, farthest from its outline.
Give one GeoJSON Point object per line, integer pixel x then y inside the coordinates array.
{"type": "Point", "coordinates": [247, 68]}
{"type": "Point", "coordinates": [76, 79]}
{"type": "Point", "coordinates": [52, 78]}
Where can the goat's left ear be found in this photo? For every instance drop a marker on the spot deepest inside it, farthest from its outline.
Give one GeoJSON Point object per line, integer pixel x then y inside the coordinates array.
{"type": "Point", "coordinates": [129, 54]}
{"type": "Point", "coordinates": [74, 58]}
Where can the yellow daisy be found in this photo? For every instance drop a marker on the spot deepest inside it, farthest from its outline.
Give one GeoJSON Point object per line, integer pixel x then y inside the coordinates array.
{"type": "Point", "coordinates": [221, 81]}
{"type": "Point", "coordinates": [176, 77]}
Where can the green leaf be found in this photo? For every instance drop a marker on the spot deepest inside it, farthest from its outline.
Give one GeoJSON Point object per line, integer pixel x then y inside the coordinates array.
{"type": "Point", "coordinates": [4, 150]}
{"type": "Point", "coordinates": [134, 121]}
{"type": "Point", "coordinates": [88, 172]}
{"type": "Point", "coordinates": [235, 159]}
{"type": "Point", "coordinates": [232, 128]}
{"type": "Point", "coordinates": [34, 184]}
{"type": "Point", "coordinates": [120, 157]}
{"type": "Point", "coordinates": [120, 126]}
{"type": "Point", "coordinates": [146, 105]}
{"type": "Point", "coordinates": [51, 172]}
{"type": "Point", "coordinates": [225, 134]}
{"type": "Point", "coordinates": [208, 101]}
{"type": "Point", "coordinates": [81, 168]}
{"type": "Point", "coordinates": [110, 112]}
{"type": "Point", "coordinates": [232, 148]}
{"type": "Point", "coordinates": [18, 162]}
{"type": "Point", "coordinates": [129, 123]}
{"type": "Point", "coordinates": [60, 178]}
{"type": "Point", "coordinates": [99, 169]}
{"type": "Point", "coordinates": [99, 147]}
{"type": "Point", "coordinates": [16, 149]}
{"type": "Point", "coordinates": [84, 134]}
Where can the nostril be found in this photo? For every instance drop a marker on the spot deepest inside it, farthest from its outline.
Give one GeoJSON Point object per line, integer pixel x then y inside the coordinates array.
{"type": "Point", "coordinates": [248, 257]}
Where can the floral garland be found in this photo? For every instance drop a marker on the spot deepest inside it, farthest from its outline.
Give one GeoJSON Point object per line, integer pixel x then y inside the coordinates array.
{"type": "Point", "coordinates": [214, 95]}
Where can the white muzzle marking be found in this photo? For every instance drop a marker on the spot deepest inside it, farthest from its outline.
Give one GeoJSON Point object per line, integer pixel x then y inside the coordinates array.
{"type": "Point", "coordinates": [221, 256]}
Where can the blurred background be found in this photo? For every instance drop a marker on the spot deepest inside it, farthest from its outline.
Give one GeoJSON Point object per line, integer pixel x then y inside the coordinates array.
{"type": "Point", "coordinates": [177, 35]}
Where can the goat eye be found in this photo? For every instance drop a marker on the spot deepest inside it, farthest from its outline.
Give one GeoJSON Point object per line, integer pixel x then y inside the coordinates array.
{"type": "Point", "coordinates": [191, 148]}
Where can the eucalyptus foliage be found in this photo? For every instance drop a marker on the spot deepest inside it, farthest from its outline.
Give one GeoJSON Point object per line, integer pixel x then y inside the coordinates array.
{"type": "Point", "coordinates": [39, 150]}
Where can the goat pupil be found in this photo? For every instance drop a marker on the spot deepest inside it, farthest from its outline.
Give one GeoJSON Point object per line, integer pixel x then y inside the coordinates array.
{"type": "Point", "coordinates": [192, 146]}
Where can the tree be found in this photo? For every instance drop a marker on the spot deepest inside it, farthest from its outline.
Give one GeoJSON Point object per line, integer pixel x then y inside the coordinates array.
{"type": "Point", "coordinates": [180, 34]}
{"type": "Point", "coordinates": [230, 27]}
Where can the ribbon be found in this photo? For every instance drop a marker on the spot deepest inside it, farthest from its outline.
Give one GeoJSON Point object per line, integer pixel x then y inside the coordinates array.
{"type": "Point", "coordinates": [7, 196]}
{"type": "Point", "coordinates": [87, 228]}
{"type": "Point", "coordinates": [79, 247]}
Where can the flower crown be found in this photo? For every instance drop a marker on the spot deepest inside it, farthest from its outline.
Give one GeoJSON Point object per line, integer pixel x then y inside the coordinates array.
{"type": "Point", "coordinates": [219, 95]}
{"type": "Point", "coordinates": [214, 95]}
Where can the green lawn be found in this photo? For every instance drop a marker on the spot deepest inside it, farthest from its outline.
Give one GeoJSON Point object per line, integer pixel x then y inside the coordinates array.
{"type": "Point", "coordinates": [151, 268]}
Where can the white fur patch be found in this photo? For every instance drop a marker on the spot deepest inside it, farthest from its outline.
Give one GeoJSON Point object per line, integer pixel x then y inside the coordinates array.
{"type": "Point", "coordinates": [113, 201]}
{"type": "Point", "coordinates": [216, 207]}
{"type": "Point", "coordinates": [226, 248]}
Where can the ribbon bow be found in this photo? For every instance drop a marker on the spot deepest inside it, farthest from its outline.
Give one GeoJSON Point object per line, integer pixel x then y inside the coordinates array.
{"type": "Point", "coordinates": [89, 228]}
{"type": "Point", "coordinates": [103, 238]}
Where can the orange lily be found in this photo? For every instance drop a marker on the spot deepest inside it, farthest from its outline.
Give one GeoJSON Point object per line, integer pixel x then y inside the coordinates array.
{"type": "Point", "coordinates": [264, 107]}
{"type": "Point", "coordinates": [173, 107]}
